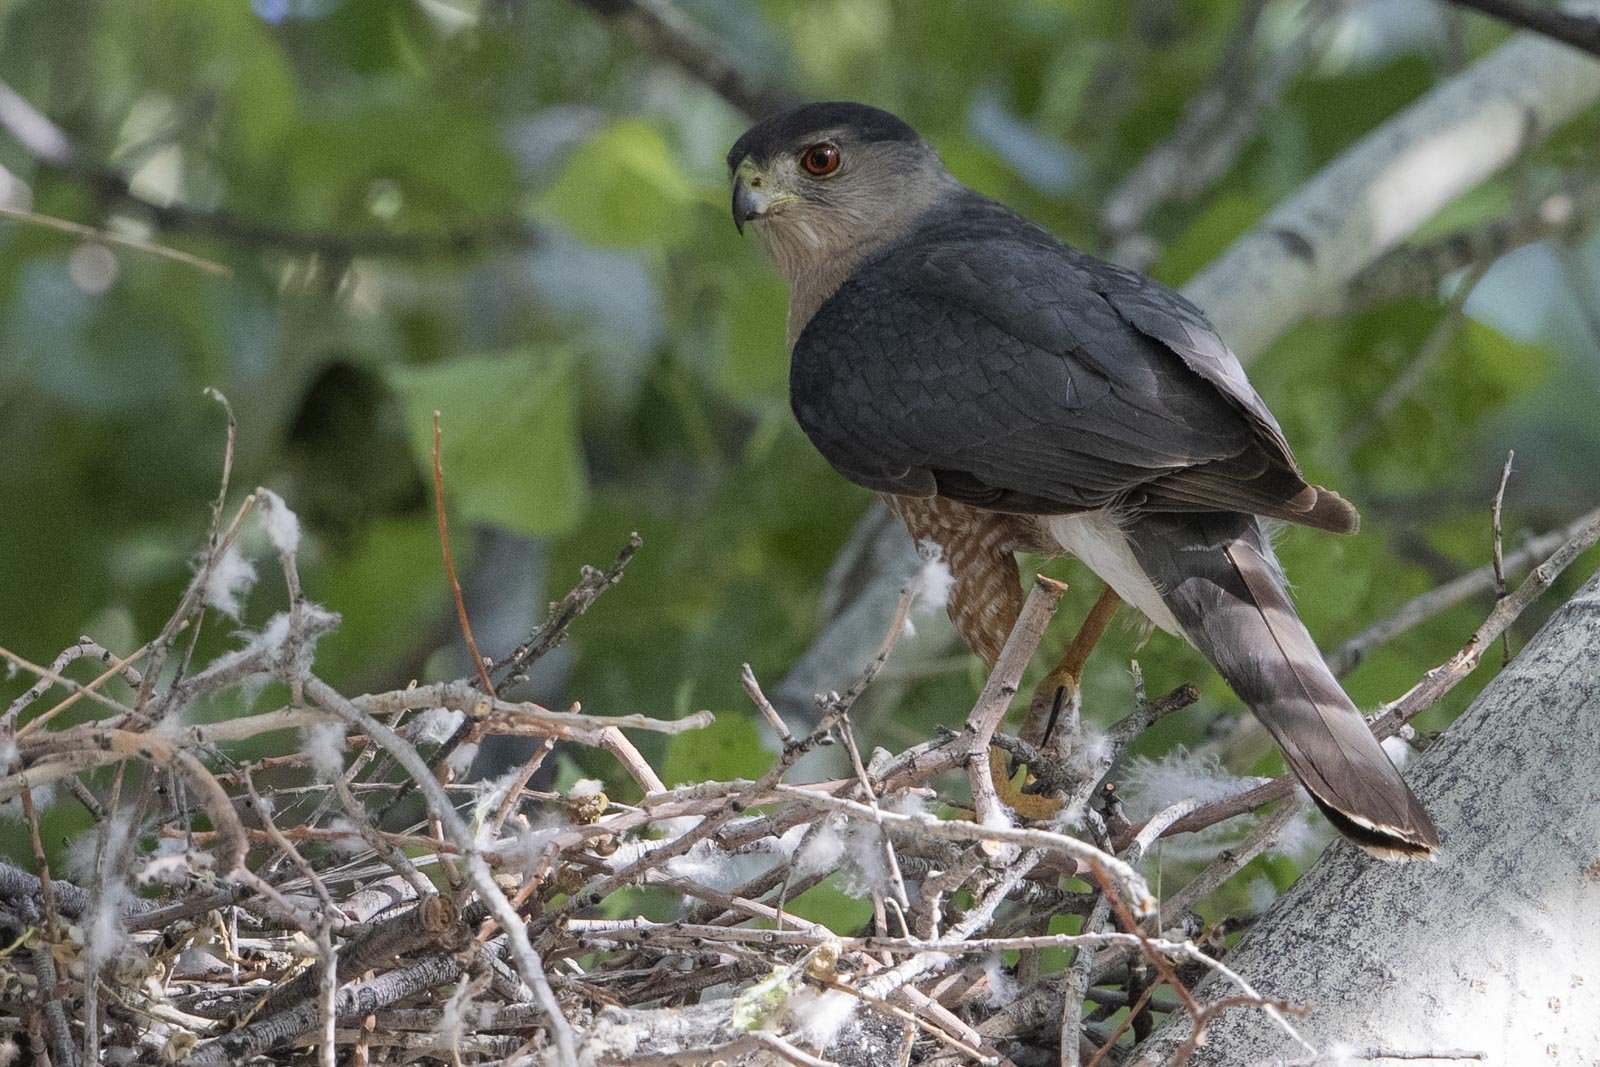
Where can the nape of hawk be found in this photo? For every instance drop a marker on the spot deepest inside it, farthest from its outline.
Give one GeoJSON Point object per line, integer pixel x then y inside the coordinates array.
{"type": "Point", "coordinates": [1006, 392]}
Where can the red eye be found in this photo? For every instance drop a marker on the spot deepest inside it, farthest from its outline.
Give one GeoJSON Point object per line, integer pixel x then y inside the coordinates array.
{"type": "Point", "coordinates": [820, 160]}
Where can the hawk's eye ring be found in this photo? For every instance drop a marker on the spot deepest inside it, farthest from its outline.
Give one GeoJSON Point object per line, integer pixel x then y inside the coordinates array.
{"type": "Point", "coordinates": [820, 160]}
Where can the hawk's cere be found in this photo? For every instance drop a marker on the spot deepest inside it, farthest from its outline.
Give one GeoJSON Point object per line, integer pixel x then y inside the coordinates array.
{"type": "Point", "coordinates": [1005, 392]}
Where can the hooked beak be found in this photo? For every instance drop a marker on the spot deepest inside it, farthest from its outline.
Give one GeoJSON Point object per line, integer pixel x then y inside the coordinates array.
{"type": "Point", "coordinates": [748, 204]}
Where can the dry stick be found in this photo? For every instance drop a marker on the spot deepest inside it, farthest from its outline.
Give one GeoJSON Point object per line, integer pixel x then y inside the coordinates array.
{"type": "Point", "coordinates": [938, 1033]}
{"type": "Point", "coordinates": [1231, 861]}
{"type": "Point", "coordinates": [896, 880]}
{"type": "Point", "coordinates": [394, 856]}
{"type": "Point", "coordinates": [998, 691]}
{"type": "Point", "coordinates": [897, 626]}
{"type": "Point", "coordinates": [328, 997]}
{"type": "Point", "coordinates": [752, 689]}
{"type": "Point", "coordinates": [527, 960]}
{"type": "Point", "coordinates": [1134, 1011]}
{"type": "Point", "coordinates": [72, 900]}
{"type": "Point", "coordinates": [1439, 681]}
{"type": "Point", "coordinates": [979, 917]}
{"type": "Point", "coordinates": [106, 237]}
{"type": "Point", "coordinates": [119, 665]}
{"type": "Point", "coordinates": [1434, 685]}
{"type": "Point", "coordinates": [52, 918]}
{"type": "Point", "coordinates": [429, 921]}
{"type": "Point", "coordinates": [530, 767]}
{"type": "Point", "coordinates": [116, 842]}
{"type": "Point", "coordinates": [82, 747]}
{"type": "Point", "coordinates": [1499, 551]}
{"type": "Point", "coordinates": [748, 794]}
{"type": "Point", "coordinates": [63, 1049]}
{"type": "Point", "coordinates": [218, 541]}
{"type": "Point", "coordinates": [82, 647]}
{"type": "Point", "coordinates": [1579, 31]}
{"type": "Point", "coordinates": [615, 742]}
{"type": "Point", "coordinates": [1085, 854]}
{"type": "Point", "coordinates": [1201, 1016]}
{"type": "Point", "coordinates": [1437, 601]}
{"type": "Point", "coordinates": [352, 999]}
{"type": "Point", "coordinates": [450, 565]}
{"type": "Point", "coordinates": [838, 707]}
{"type": "Point", "coordinates": [53, 677]}
{"type": "Point", "coordinates": [743, 795]}
{"type": "Point", "coordinates": [592, 582]}
{"type": "Point", "coordinates": [1077, 984]}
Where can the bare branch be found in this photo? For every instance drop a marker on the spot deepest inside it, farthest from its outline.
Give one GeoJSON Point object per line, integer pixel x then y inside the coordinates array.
{"type": "Point", "coordinates": [658, 27]}
{"type": "Point", "coordinates": [1579, 31]}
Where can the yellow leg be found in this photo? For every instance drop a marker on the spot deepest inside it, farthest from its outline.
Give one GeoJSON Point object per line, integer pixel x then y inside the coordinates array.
{"type": "Point", "coordinates": [1065, 677]}
{"type": "Point", "coordinates": [1068, 670]}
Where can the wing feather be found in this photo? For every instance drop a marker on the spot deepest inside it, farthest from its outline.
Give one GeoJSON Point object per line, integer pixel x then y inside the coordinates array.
{"type": "Point", "coordinates": [980, 359]}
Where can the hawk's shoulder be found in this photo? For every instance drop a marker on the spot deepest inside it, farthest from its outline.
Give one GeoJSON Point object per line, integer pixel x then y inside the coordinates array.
{"type": "Point", "coordinates": [979, 358]}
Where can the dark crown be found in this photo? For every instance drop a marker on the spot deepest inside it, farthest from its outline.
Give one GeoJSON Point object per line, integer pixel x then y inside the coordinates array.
{"type": "Point", "coordinates": [787, 130]}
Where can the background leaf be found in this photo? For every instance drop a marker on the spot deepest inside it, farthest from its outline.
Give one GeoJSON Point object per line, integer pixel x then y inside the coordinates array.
{"type": "Point", "coordinates": [514, 464]}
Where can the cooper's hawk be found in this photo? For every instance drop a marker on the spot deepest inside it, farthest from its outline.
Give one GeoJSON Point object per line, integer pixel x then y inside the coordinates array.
{"type": "Point", "coordinates": [1005, 392]}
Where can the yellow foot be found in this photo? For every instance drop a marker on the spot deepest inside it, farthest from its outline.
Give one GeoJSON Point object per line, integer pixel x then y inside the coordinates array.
{"type": "Point", "coordinates": [1027, 805]}
{"type": "Point", "coordinates": [1067, 671]}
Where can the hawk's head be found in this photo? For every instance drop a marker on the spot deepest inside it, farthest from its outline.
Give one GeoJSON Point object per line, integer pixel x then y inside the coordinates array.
{"type": "Point", "coordinates": [825, 178]}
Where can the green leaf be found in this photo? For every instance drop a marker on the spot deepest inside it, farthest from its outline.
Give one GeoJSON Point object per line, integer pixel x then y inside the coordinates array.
{"type": "Point", "coordinates": [833, 908]}
{"type": "Point", "coordinates": [386, 589]}
{"type": "Point", "coordinates": [624, 187]}
{"type": "Point", "coordinates": [510, 436]}
{"type": "Point", "coordinates": [729, 748]}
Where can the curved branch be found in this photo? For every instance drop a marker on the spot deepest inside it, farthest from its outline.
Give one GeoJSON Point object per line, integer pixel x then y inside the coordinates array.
{"type": "Point", "coordinates": [1387, 185]}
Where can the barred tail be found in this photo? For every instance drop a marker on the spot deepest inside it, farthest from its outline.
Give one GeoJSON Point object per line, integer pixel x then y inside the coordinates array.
{"type": "Point", "coordinates": [1218, 576]}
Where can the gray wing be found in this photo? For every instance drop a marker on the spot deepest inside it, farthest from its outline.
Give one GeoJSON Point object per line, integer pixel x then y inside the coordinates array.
{"type": "Point", "coordinates": [1009, 372]}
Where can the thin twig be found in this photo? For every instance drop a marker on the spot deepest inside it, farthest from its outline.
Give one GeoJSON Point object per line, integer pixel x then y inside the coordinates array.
{"type": "Point", "coordinates": [1437, 601]}
{"type": "Point", "coordinates": [90, 233]}
{"type": "Point", "coordinates": [752, 689]}
{"type": "Point", "coordinates": [1499, 550]}
{"type": "Point", "coordinates": [450, 565]}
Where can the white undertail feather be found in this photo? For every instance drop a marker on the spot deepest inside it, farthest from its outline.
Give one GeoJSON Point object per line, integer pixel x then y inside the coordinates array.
{"type": "Point", "coordinates": [1098, 542]}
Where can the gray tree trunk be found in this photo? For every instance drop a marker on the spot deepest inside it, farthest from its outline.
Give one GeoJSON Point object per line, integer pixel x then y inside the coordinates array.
{"type": "Point", "coordinates": [1496, 947]}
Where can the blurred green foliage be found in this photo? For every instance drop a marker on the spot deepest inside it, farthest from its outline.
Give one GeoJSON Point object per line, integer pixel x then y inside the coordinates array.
{"type": "Point", "coordinates": [504, 211]}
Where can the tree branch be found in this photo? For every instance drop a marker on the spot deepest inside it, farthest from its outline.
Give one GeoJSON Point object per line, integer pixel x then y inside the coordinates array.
{"type": "Point", "coordinates": [658, 27]}
{"type": "Point", "coordinates": [1303, 254]}
{"type": "Point", "coordinates": [1579, 31]}
{"type": "Point", "coordinates": [51, 148]}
